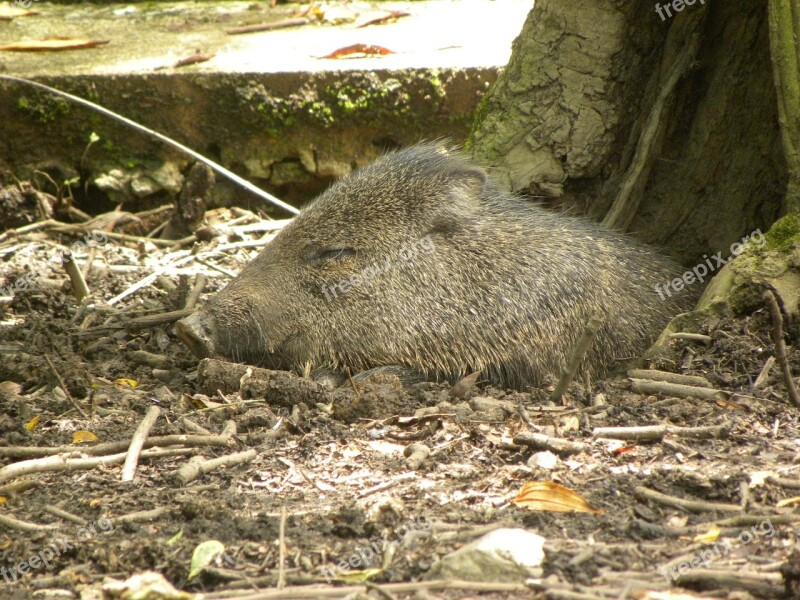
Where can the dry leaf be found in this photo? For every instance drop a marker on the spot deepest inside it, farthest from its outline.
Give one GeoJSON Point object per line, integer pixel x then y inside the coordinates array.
{"type": "Point", "coordinates": [193, 59]}
{"type": "Point", "coordinates": [788, 502]}
{"type": "Point", "coordinates": [31, 425]}
{"type": "Point", "coordinates": [8, 12]}
{"type": "Point", "coordinates": [53, 45]}
{"type": "Point", "coordinates": [709, 537]}
{"type": "Point", "coordinates": [550, 496]}
{"type": "Point", "coordinates": [131, 383]}
{"type": "Point", "coordinates": [83, 437]}
{"type": "Point", "coordinates": [365, 49]}
{"type": "Point", "coordinates": [358, 576]}
{"type": "Point", "coordinates": [200, 402]}
{"type": "Point", "coordinates": [189, 60]}
{"type": "Point", "coordinates": [464, 386]}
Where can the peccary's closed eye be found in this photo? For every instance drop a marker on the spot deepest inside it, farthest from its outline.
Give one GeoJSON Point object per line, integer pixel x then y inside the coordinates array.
{"type": "Point", "coordinates": [319, 256]}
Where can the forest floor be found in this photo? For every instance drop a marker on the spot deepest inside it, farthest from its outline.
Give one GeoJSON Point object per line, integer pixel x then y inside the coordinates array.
{"type": "Point", "coordinates": [316, 496]}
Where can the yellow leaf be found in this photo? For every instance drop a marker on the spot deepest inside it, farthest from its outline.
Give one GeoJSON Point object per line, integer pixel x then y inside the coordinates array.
{"type": "Point", "coordinates": [709, 537]}
{"type": "Point", "coordinates": [31, 425]}
{"type": "Point", "coordinates": [126, 382]}
{"type": "Point", "coordinates": [550, 496]}
{"type": "Point", "coordinates": [3, 500]}
{"type": "Point", "coordinates": [95, 502]}
{"type": "Point", "coordinates": [359, 576]}
{"type": "Point", "coordinates": [83, 437]}
{"type": "Point", "coordinates": [788, 502]}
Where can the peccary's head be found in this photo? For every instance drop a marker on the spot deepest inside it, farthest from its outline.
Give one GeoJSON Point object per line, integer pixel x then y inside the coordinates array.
{"type": "Point", "coordinates": [359, 278]}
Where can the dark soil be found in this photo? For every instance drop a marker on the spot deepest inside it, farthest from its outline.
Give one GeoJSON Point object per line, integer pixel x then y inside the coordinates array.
{"type": "Point", "coordinates": [334, 472]}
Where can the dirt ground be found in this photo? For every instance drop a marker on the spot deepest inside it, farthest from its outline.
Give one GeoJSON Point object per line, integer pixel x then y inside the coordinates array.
{"type": "Point", "coordinates": [315, 478]}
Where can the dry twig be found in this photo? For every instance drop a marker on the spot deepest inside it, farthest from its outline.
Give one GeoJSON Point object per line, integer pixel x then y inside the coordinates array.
{"type": "Point", "coordinates": [780, 346]}
{"type": "Point", "coordinates": [137, 443]}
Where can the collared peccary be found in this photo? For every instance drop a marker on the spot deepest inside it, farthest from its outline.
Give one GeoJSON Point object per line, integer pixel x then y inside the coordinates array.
{"type": "Point", "coordinates": [419, 261]}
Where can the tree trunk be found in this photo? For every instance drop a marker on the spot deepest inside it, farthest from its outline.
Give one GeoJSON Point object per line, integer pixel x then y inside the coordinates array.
{"type": "Point", "coordinates": [661, 123]}
{"type": "Point", "coordinates": [784, 29]}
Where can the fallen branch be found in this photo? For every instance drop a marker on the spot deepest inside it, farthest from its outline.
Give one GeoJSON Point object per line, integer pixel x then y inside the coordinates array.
{"type": "Point", "coordinates": [763, 585]}
{"type": "Point", "coordinates": [26, 526]}
{"type": "Point", "coordinates": [141, 516]}
{"type": "Point", "coordinates": [137, 443]}
{"type": "Point", "coordinates": [583, 345]}
{"type": "Point", "coordinates": [653, 375]}
{"type": "Point", "coordinates": [194, 468]}
{"type": "Point", "coordinates": [560, 446]}
{"type": "Point", "coordinates": [655, 433]}
{"type": "Point", "coordinates": [643, 386]}
{"type": "Point", "coordinates": [73, 462]}
{"type": "Point", "coordinates": [64, 386]}
{"type": "Point", "coordinates": [691, 337]}
{"type": "Point", "coordinates": [780, 346]}
{"type": "Point", "coordinates": [696, 506]}
{"type": "Point", "coordinates": [395, 588]}
{"type": "Point", "coordinates": [189, 441]}
{"type": "Point", "coordinates": [296, 22]}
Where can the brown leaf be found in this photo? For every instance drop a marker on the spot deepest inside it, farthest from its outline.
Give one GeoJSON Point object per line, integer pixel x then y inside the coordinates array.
{"type": "Point", "coordinates": [550, 496]}
{"type": "Point", "coordinates": [52, 45]}
{"type": "Point", "coordinates": [378, 17]}
{"type": "Point", "coordinates": [366, 49]}
{"type": "Point", "coordinates": [464, 386]}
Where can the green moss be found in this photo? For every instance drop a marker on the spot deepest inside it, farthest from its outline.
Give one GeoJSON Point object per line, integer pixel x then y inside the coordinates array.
{"type": "Point", "coordinates": [43, 108]}
{"type": "Point", "coordinates": [784, 233]}
{"type": "Point", "coordinates": [478, 117]}
{"type": "Point", "coordinates": [364, 98]}
{"type": "Point", "coordinates": [437, 86]}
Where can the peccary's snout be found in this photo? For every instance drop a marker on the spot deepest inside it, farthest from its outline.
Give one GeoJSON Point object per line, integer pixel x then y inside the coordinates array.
{"type": "Point", "coordinates": [197, 332]}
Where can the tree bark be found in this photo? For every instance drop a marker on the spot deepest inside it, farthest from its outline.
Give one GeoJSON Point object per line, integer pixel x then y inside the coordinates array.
{"type": "Point", "coordinates": [784, 29]}
{"type": "Point", "coordinates": [663, 124]}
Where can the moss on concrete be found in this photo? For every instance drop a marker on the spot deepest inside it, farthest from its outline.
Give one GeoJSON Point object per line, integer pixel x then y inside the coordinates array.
{"type": "Point", "coordinates": [43, 108]}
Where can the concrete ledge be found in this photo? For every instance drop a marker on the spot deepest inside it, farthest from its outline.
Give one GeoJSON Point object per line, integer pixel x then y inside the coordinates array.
{"type": "Point", "coordinates": [264, 106]}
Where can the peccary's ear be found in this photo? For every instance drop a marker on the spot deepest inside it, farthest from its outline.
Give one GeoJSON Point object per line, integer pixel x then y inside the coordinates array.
{"type": "Point", "coordinates": [457, 213]}
{"type": "Point", "coordinates": [469, 184]}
